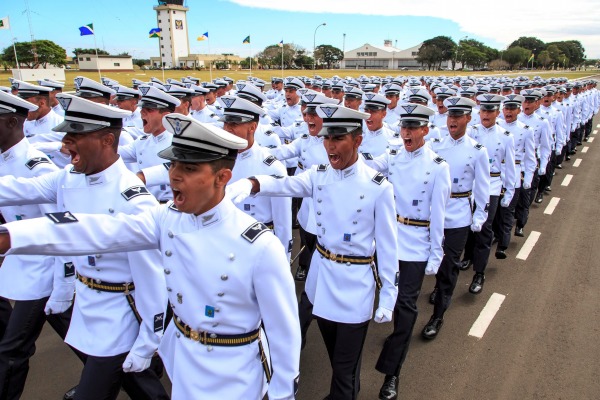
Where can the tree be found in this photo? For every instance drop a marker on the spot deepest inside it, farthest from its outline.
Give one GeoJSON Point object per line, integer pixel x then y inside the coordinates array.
{"type": "Point", "coordinates": [77, 51]}
{"type": "Point", "coordinates": [498, 65]}
{"type": "Point", "coordinates": [435, 51]}
{"type": "Point", "coordinates": [245, 63]}
{"type": "Point", "coordinates": [544, 59]}
{"type": "Point", "coordinates": [516, 56]}
{"type": "Point", "coordinates": [47, 52]}
{"type": "Point", "coordinates": [327, 54]}
{"type": "Point", "coordinates": [475, 54]}
{"type": "Point", "coordinates": [530, 43]}
{"type": "Point", "coordinates": [572, 49]}
{"type": "Point", "coordinates": [271, 55]}
{"type": "Point", "coordinates": [302, 60]}
{"type": "Point", "coordinates": [140, 63]}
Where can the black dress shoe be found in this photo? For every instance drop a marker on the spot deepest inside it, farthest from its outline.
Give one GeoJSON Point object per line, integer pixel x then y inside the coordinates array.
{"type": "Point", "coordinates": [389, 389]}
{"type": "Point", "coordinates": [465, 264]}
{"type": "Point", "coordinates": [559, 166]}
{"type": "Point", "coordinates": [539, 198]}
{"type": "Point", "coordinates": [433, 295]}
{"type": "Point", "coordinates": [301, 272]}
{"type": "Point", "coordinates": [585, 139]}
{"type": "Point", "coordinates": [477, 284]}
{"type": "Point", "coordinates": [547, 189]}
{"type": "Point", "coordinates": [519, 232]}
{"type": "Point", "coordinates": [70, 394]}
{"type": "Point", "coordinates": [500, 254]}
{"type": "Point", "coordinates": [432, 328]}
{"type": "Point", "coordinates": [495, 240]}
{"type": "Point", "coordinates": [568, 157]}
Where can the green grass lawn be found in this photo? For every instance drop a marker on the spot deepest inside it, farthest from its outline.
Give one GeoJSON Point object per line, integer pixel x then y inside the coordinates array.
{"type": "Point", "coordinates": [126, 77]}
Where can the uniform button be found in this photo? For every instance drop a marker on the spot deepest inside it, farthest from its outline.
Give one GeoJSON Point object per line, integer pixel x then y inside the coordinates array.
{"type": "Point", "coordinates": [359, 210]}
{"type": "Point", "coordinates": [354, 222]}
{"type": "Point", "coordinates": [167, 271]}
{"type": "Point", "coordinates": [231, 256]}
{"type": "Point", "coordinates": [220, 294]}
{"type": "Point", "coordinates": [319, 200]}
{"type": "Point", "coordinates": [209, 348]}
{"type": "Point", "coordinates": [170, 234]}
{"type": "Point", "coordinates": [319, 237]}
{"type": "Point", "coordinates": [140, 161]}
{"type": "Point", "coordinates": [217, 309]}
{"type": "Point", "coordinates": [98, 281]}
{"type": "Point", "coordinates": [169, 289]}
{"type": "Point", "coordinates": [362, 196]}
{"type": "Point", "coordinates": [348, 263]}
{"type": "Point", "coordinates": [318, 212]}
{"type": "Point", "coordinates": [252, 213]}
{"type": "Point", "coordinates": [213, 335]}
{"type": "Point", "coordinates": [168, 253]}
{"type": "Point", "coordinates": [390, 173]}
{"type": "Point", "coordinates": [110, 210]}
{"type": "Point", "coordinates": [98, 256]}
{"type": "Point", "coordinates": [224, 277]}
{"type": "Point", "coordinates": [318, 224]}
{"type": "Point", "coordinates": [177, 334]}
{"type": "Point", "coordinates": [393, 163]}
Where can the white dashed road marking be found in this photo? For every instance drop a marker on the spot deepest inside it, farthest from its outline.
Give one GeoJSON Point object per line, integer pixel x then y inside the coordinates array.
{"type": "Point", "coordinates": [487, 315]}
{"type": "Point", "coordinates": [585, 149]}
{"type": "Point", "coordinates": [590, 140]}
{"type": "Point", "coordinates": [567, 180]}
{"type": "Point", "coordinates": [577, 163]}
{"type": "Point", "coordinates": [528, 245]}
{"type": "Point", "coordinates": [551, 205]}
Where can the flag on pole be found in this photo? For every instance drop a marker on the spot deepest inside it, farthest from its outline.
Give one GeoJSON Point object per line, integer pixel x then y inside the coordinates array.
{"type": "Point", "coordinates": [247, 40]}
{"type": "Point", "coordinates": [154, 32]}
{"type": "Point", "coordinates": [202, 37]}
{"type": "Point", "coordinates": [531, 58]}
{"type": "Point", "coordinates": [4, 23]}
{"type": "Point", "coordinates": [86, 30]}
{"type": "Point", "coordinates": [280, 44]}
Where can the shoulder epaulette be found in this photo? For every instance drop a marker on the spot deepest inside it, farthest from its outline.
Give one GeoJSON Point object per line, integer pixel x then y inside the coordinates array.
{"type": "Point", "coordinates": [507, 133]}
{"type": "Point", "coordinates": [73, 171]}
{"type": "Point", "coordinates": [36, 161]}
{"type": "Point", "coordinates": [173, 207]}
{"type": "Point", "coordinates": [367, 156]}
{"type": "Point", "coordinates": [64, 217]}
{"type": "Point", "coordinates": [438, 160]}
{"type": "Point", "coordinates": [269, 132]}
{"type": "Point", "coordinates": [297, 123]}
{"type": "Point", "coordinates": [135, 191]}
{"type": "Point", "coordinates": [526, 126]}
{"type": "Point", "coordinates": [269, 160]}
{"type": "Point", "coordinates": [378, 178]}
{"type": "Point", "coordinates": [304, 136]}
{"type": "Point", "coordinates": [322, 167]}
{"type": "Point", "coordinates": [393, 152]}
{"type": "Point", "coordinates": [167, 165]}
{"type": "Point", "coordinates": [254, 231]}
{"type": "Point", "coordinates": [437, 140]}
{"type": "Point", "coordinates": [144, 137]}
{"type": "Point", "coordinates": [479, 146]}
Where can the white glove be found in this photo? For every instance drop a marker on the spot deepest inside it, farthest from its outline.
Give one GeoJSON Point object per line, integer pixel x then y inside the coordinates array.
{"type": "Point", "coordinates": [542, 171]}
{"type": "Point", "coordinates": [476, 227]}
{"type": "Point", "coordinates": [238, 191]}
{"type": "Point", "coordinates": [526, 186]}
{"type": "Point", "coordinates": [383, 315]}
{"type": "Point", "coordinates": [57, 307]}
{"type": "Point", "coordinates": [431, 269]}
{"type": "Point", "coordinates": [135, 363]}
{"type": "Point", "coordinates": [504, 202]}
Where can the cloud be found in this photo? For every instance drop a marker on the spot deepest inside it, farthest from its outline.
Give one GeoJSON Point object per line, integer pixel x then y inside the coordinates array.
{"type": "Point", "coordinates": [501, 21]}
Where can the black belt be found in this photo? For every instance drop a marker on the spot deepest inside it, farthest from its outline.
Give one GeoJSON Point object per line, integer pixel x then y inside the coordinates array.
{"type": "Point", "coordinates": [339, 258]}
{"type": "Point", "coordinates": [213, 338]}
{"type": "Point", "coordinates": [460, 195]}
{"type": "Point", "coordinates": [97, 284]}
{"type": "Point", "coordinates": [517, 162]}
{"type": "Point", "coordinates": [269, 225]}
{"type": "Point", "coordinates": [412, 222]}
{"type": "Point", "coordinates": [300, 165]}
{"type": "Point", "coordinates": [495, 174]}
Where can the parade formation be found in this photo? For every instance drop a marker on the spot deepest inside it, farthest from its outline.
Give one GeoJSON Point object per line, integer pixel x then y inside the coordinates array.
{"type": "Point", "coordinates": [151, 224]}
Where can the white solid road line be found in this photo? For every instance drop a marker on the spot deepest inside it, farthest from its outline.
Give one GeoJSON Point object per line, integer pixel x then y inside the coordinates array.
{"type": "Point", "coordinates": [551, 205]}
{"type": "Point", "coordinates": [585, 149]}
{"type": "Point", "coordinates": [567, 180]}
{"type": "Point", "coordinates": [590, 140]}
{"type": "Point", "coordinates": [487, 315]}
{"type": "Point", "coordinates": [577, 163]}
{"type": "Point", "coordinates": [528, 245]}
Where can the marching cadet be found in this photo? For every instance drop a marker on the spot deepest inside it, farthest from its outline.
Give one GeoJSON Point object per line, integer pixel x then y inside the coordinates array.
{"type": "Point", "coordinates": [563, 104]}
{"type": "Point", "coordinates": [470, 175]}
{"type": "Point", "coordinates": [199, 108]}
{"type": "Point", "coordinates": [376, 135]}
{"type": "Point", "coordinates": [265, 134]}
{"type": "Point", "coordinates": [38, 285]}
{"type": "Point", "coordinates": [119, 309]}
{"type": "Point", "coordinates": [557, 123]}
{"type": "Point", "coordinates": [421, 181]}
{"type": "Point", "coordinates": [276, 95]}
{"type": "Point", "coordinates": [57, 87]}
{"type": "Point", "coordinates": [127, 99]}
{"type": "Point", "coordinates": [211, 99]}
{"type": "Point", "coordinates": [500, 146]}
{"type": "Point", "coordinates": [354, 208]}
{"type": "Point", "coordinates": [526, 164]}
{"type": "Point", "coordinates": [391, 91]}
{"type": "Point", "coordinates": [337, 91]}
{"type": "Point", "coordinates": [215, 257]}
{"type": "Point", "coordinates": [441, 94]}
{"type": "Point", "coordinates": [154, 104]}
{"type": "Point", "coordinates": [184, 95]}
{"type": "Point", "coordinates": [353, 98]}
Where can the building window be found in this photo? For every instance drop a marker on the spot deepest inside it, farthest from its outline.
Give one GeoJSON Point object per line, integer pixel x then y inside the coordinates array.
{"type": "Point", "coordinates": [163, 54]}
{"type": "Point", "coordinates": [88, 59]}
{"type": "Point", "coordinates": [117, 64]}
{"type": "Point", "coordinates": [415, 53]}
{"type": "Point", "coordinates": [162, 46]}
{"type": "Point", "coordinates": [159, 21]}
{"type": "Point", "coordinates": [80, 58]}
{"type": "Point", "coordinates": [366, 54]}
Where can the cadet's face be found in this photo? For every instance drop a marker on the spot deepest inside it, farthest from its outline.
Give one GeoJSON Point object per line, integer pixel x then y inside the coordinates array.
{"type": "Point", "coordinates": [337, 94]}
{"type": "Point", "coordinates": [314, 123]}
{"type": "Point", "coordinates": [327, 92]}
{"type": "Point", "coordinates": [511, 113]}
{"type": "Point", "coordinates": [211, 97]}
{"type": "Point", "coordinates": [488, 117]}
{"type": "Point", "coordinates": [352, 102]}
{"type": "Point", "coordinates": [198, 103]}
{"type": "Point", "coordinates": [413, 137]}
{"type": "Point", "coordinates": [440, 105]}
{"type": "Point", "coordinates": [127, 104]}
{"type": "Point", "coordinates": [84, 149]}
{"type": "Point", "coordinates": [183, 108]}
{"type": "Point", "coordinates": [529, 106]}
{"type": "Point", "coordinates": [277, 85]}
{"type": "Point", "coordinates": [196, 188]}
{"type": "Point", "coordinates": [375, 121]}
{"type": "Point", "coordinates": [548, 100]}
{"type": "Point", "coordinates": [393, 98]}
{"type": "Point", "coordinates": [152, 120]}
{"type": "Point", "coordinates": [244, 130]}
{"type": "Point", "coordinates": [221, 91]}
{"type": "Point", "coordinates": [342, 150]}
{"type": "Point", "coordinates": [291, 97]}
{"type": "Point", "coordinates": [457, 125]}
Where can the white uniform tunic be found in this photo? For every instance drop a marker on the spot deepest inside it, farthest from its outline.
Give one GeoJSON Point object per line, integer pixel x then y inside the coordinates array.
{"type": "Point", "coordinates": [276, 210]}
{"type": "Point", "coordinates": [40, 132]}
{"type": "Point", "coordinates": [469, 172]}
{"type": "Point", "coordinates": [103, 323]}
{"type": "Point", "coordinates": [59, 110]}
{"type": "Point", "coordinates": [376, 142]}
{"type": "Point", "coordinates": [354, 208]}
{"type": "Point", "coordinates": [144, 151]}
{"type": "Point", "coordinates": [265, 136]}
{"type": "Point", "coordinates": [30, 277]}
{"type": "Point", "coordinates": [524, 150]}
{"type": "Point", "coordinates": [134, 120]}
{"type": "Point", "coordinates": [542, 135]}
{"type": "Point", "coordinates": [42, 125]}
{"type": "Point", "coordinates": [421, 182]}
{"type": "Point", "coordinates": [500, 146]}
{"type": "Point", "coordinates": [217, 280]}
{"type": "Point", "coordinates": [207, 116]}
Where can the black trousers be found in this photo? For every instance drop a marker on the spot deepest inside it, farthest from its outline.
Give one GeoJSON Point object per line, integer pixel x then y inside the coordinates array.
{"type": "Point", "coordinates": [588, 128]}
{"type": "Point", "coordinates": [546, 179]}
{"type": "Point", "coordinates": [17, 345]}
{"type": "Point", "coordinates": [344, 343]}
{"type": "Point", "coordinates": [447, 276]}
{"type": "Point", "coordinates": [396, 345]}
{"type": "Point", "coordinates": [504, 219]}
{"type": "Point", "coordinates": [305, 315]}
{"type": "Point", "coordinates": [310, 241]}
{"type": "Point", "coordinates": [561, 157]}
{"type": "Point", "coordinates": [479, 244]}
{"type": "Point", "coordinates": [5, 311]}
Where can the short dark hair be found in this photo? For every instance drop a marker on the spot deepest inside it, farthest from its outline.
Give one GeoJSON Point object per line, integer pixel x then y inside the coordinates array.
{"type": "Point", "coordinates": [222, 163]}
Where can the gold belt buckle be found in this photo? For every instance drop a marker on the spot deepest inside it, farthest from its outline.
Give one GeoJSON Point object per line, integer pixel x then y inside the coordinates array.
{"type": "Point", "coordinates": [84, 280]}
{"type": "Point", "coordinates": [332, 256]}
{"type": "Point", "coordinates": [126, 284]}
{"type": "Point", "coordinates": [194, 335]}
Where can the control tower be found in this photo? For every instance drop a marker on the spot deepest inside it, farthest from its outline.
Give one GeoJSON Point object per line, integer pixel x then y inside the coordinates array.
{"type": "Point", "coordinates": [171, 18]}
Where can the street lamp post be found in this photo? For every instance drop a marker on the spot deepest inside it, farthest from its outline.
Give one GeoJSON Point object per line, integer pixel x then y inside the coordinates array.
{"type": "Point", "coordinates": [315, 43]}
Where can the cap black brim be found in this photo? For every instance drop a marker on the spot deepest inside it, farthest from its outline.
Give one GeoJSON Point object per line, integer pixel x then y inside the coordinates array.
{"type": "Point", "coordinates": [174, 153]}
{"type": "Point", "coordinates": [77, 127]}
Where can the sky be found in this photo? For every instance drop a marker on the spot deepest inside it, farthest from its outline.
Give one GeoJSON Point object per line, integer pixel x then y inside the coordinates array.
{"type": "Point", "coordinates": [123, 25]}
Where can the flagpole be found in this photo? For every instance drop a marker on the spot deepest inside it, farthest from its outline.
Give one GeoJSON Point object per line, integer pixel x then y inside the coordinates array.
{"type": "Point", "coordinates": [250, 43]}
{"type": "Point", "coordinates": [14, 47]}
{"type": "Point", "coordinates": [97, 58]}
{"type": "Point", "coordinates": [209, 60]}
{"type": "Point", "coordinates": [282, 58]}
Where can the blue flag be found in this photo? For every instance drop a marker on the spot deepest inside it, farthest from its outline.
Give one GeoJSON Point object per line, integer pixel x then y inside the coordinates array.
{"type": "Point", "coordinates": [86, 30]}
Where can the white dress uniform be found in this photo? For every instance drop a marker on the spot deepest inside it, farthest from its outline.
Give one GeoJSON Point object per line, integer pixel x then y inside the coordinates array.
{"type": "Point", "coordinates": [557, 122]}
{"type": "Point", "coordinates": [265, 135]}
{"type": "Point", "coordinates": [134, 120]}
{"type": "Point", "coordinates": [392, 116]}
{"type": "Point", "coordinates": [103, 323]}
{"type": "Point", "coordinates": [524, 150]}
{"type": "Point", "coordinates": [31, 277]}
{"type": "Point", "coordinates": [272, 211]}
{"type": "Point", "coordinates": [42, 125]}
{"type": "Point", "coordinates": [206, 115]}
{"type": "Point", "coordinates": [421, 181]}
{"type": "Point", "coordinates": [470, 176]}
{"type": "Point", "coordinates": [59, 110]}
{"type": "Point", "coordinates": [354, 208]}
{"type": "Point", "coordinates": [287, 134]}
{"type": "Point", "coordinates": [500, 146]}
{"type": "Point", "coordinates": [40, 131]}
{"type": "Point", "coordinates": [375, 143]}
{"type": "Point", "coordinates": [542, 136]}
{"type": "Point", "coordinates": [216, 108]}
{"type": "Point", "coordinates": [144, 152]}
{"type": "Point", "coordinates": [439, 119]}
{"type": "Point", "coordinates": [244, 280]}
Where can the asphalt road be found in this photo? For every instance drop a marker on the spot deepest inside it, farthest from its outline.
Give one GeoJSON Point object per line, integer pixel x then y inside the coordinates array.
{"type": "Point", "coordinates": [541, 344]}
